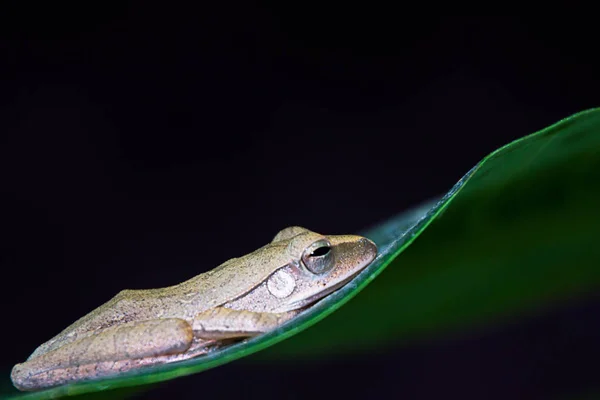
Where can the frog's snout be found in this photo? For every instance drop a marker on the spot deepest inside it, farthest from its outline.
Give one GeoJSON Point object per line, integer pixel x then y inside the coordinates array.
{"type": "Point", "coordinates": [368, 243]}
{"type": "Point", "coordinates": [369, 249]}
{"type": "Point", "coordinates": [353, 251]}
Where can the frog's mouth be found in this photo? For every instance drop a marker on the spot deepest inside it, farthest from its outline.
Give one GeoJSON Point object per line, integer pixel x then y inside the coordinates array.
{"type": "Point", "coordinates": [309, 301]}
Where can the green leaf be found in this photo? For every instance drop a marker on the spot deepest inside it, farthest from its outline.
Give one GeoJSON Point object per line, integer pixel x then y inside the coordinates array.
{"type": "Point", "coordinates": [516, 236]}
{"type": "Point", "coordinates": [517, 233]}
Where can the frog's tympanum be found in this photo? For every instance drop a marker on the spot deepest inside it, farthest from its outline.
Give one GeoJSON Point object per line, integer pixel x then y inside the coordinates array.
{"type": "Point", "coordinates": [241, 298]}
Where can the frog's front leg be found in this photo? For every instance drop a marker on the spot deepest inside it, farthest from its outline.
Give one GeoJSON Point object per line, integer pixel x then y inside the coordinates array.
{"type": "Point", "coordinates": [108, 352]}
{"type": "Point", "coordinates": [222, 323]}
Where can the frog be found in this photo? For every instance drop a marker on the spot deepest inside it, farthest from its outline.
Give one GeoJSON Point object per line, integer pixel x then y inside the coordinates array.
{"type": "Point", "coordinates": [242, 298]}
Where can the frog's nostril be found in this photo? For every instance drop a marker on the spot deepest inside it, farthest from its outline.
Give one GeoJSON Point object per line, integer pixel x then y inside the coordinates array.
{"type": "Point", "coordinates": [366, 242]}
{"type": "Point", "coordinates": [369, 246]}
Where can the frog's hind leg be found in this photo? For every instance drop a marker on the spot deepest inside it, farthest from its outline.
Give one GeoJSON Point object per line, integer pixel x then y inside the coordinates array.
{"type": "Point", "coordinates": [109, 352]}
{"type": "Point", "coordinates": [222, 323]}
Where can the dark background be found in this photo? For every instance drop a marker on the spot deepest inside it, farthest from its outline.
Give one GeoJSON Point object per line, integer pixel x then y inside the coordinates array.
{"type": "Point", "coordinates": [142, 146]}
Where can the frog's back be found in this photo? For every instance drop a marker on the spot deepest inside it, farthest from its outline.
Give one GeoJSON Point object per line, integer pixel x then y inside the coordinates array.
{"type": "Point", "coordinates": [233, 278]}
{"type": "Point", "coordinates": [211, 289]}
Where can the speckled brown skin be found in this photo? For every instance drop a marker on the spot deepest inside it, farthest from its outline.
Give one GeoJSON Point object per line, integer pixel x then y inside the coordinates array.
{"type": "Point", "coordinates": [242, 297]}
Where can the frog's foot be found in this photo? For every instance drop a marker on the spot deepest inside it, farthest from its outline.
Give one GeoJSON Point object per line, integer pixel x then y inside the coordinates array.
{"type": "Point", "coordinates": [222, 323]}
{"type": "Point", "coordinates": [109, 352]}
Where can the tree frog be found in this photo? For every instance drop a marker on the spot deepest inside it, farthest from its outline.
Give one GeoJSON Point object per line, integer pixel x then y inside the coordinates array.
{"type": "Point", "coordinates": [241, 298]}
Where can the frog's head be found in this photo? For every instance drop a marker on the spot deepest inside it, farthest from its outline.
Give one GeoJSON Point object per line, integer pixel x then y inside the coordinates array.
{"type": "Point", "coordinates": [317, 265]}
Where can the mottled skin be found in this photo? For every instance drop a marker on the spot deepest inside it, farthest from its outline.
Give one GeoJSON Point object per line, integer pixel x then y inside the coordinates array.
{"type": "Point", "coordinates": [240, 298]}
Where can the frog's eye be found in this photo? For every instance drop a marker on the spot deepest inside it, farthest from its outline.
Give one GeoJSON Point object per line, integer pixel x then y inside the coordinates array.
{"type": "Point", "coordinates": [318, 257]}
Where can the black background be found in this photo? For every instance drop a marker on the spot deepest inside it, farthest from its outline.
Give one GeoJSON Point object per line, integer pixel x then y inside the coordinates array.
{"type": "Point", "coordinates": [141, 146]}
